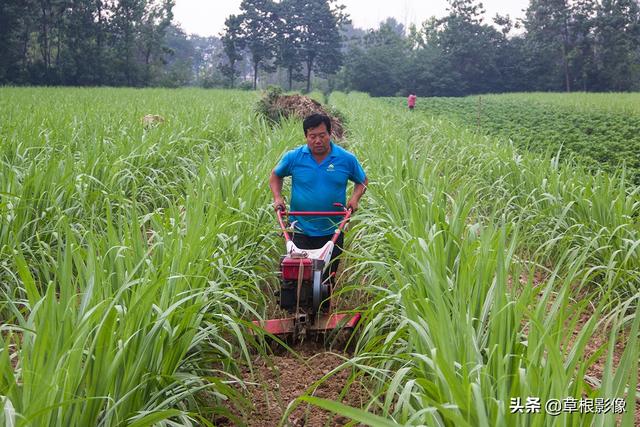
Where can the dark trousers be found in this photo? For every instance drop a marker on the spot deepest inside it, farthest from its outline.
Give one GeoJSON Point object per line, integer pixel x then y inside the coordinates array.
{"type": "Point", "coordinates": [316, 242]}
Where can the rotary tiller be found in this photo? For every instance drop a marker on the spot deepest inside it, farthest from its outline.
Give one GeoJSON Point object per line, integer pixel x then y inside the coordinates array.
{"type": "Point", "coordinates": [306, 286]}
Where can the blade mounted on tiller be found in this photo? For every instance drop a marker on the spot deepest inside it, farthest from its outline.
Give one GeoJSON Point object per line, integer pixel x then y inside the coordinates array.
{"type": "Point", "coordinates": [323, 323]}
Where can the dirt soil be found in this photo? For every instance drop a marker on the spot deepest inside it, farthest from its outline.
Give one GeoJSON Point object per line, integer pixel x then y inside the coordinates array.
{"type": "Point", "coordinates": [280, 380]}
{"type": "Point", "coordinates": [283, 377]}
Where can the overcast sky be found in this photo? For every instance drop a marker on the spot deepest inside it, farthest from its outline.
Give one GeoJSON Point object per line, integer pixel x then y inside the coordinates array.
{"type": "Point", "coordinates": [206, 17]}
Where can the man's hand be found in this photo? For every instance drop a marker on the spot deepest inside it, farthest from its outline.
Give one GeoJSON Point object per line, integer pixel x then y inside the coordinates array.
{"type": "Point", "coordinates": [279, 204]}
{"type": "Point", "coordinates": [352, 204]}
{"type": "Point", "coordinates": [358, 191]}
{"type": "Point", "coordinates": [275, 183]}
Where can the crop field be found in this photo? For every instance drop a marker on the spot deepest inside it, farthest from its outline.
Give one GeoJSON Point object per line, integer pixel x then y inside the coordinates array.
{"type": "Point", "coordinates": [133, 259]}
{"type": "Point", "coordinates": [600, 130]}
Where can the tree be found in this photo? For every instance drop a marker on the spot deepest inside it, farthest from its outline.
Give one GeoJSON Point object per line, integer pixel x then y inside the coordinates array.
{"type": "Point", "coordinates": [581, 56]}
{"type": "Point", "coordinates": [547, 24]}
{"type": "Point", "coordinates": [86, 55]}
{"type": "Point", "coordinates": [257, 22]}
{"type": "Point", "coordinates": [155, 21]}
{"type": "Point", "coordinates": [380, 65]}
{"type": "Point", "coordinates": [320, 36]}
{"type": "Point", "coordinates": [618, 44]}
{"type": "Point", "coordinates": [50, 24]}
{"type": "Point", "coordinates": [232, 44]}
{"type": "Point", "coordinates": [433, 75]}
{"type": "Point", "coordinates": [179, 59]}
{"type": "Point", "coordinates": [469, 46]}
{"type": "Point", "coordinates": [124, 32]}
{"type": "Point", "coordinates": [15, 26]}
{"type": "Point", "coordinates": [288, 29]}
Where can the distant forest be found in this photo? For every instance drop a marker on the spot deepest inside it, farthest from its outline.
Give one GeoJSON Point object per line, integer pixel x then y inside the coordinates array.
{"type": "Point", "coordinates": [560, 45]}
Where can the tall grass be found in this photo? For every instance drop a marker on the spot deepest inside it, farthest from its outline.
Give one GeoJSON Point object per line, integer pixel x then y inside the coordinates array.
{"type": "Point", "coordinates": [130, 257]}
{"type": "Point", "coordinates": [482, 261]}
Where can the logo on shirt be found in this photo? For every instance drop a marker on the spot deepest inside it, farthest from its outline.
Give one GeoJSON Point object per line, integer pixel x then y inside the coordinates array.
{"type": "Point", "coordinates": [331, 168]}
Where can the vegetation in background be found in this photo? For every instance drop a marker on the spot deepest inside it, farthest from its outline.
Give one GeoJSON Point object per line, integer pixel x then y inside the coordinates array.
{"type": "Point", "coordinates": [600, 130]}
{"type": "Point", "coordinates": [288, 34]}
{"type": "Point", "coordinates": [585, 45]}
{"type": "Point", "coordinates": [89, 42]}
{"type": "Point", "coordinates": [565, 46]}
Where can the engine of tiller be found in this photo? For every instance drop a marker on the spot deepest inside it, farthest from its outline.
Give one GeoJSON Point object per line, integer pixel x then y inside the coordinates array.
{"type": "Point", "coordinates": [300, 276]}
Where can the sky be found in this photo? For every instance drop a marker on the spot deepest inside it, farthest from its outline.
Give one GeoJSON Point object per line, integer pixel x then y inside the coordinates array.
{"type": "Point", "coordinates": [206, 17]}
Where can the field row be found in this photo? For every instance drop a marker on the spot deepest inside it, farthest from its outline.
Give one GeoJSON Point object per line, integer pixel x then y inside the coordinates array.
{"type": "Point", "coordinates": [602, 131]}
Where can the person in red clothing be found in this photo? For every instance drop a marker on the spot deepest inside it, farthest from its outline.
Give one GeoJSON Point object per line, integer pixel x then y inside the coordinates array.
{"type": "Point", "coordinates": [411, 101]}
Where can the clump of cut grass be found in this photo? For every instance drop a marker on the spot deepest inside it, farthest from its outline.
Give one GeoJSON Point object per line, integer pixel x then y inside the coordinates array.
{"type": "Point", "coordinates": [275, 106]}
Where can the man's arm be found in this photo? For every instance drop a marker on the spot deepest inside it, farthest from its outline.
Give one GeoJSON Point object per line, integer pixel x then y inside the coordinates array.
{"type": "Point", "coordinates": [358, 191]}
{"type": "Point", "coordinates": [275, 183]}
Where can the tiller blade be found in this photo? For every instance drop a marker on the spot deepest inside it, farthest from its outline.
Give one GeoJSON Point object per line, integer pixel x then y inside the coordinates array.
{"type": "Point", "coordinates": [322, 323]}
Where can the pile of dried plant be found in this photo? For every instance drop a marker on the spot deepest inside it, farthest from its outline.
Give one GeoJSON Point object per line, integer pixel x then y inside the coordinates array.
{"type": "Point", "coordinates": [275, 105]}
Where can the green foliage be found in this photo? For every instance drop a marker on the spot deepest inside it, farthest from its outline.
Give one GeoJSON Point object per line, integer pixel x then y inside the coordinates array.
{"type": "Point", "coordinates": [232, 44]}
{"type": "Point", "coordinates": [482, 260]}
{"type": "Point", "coordinates": [288, 37]}
{"type": "Point", "coordinates": [84, 42]}
{"type": "Point", "coordinates": [258, 26]}
{"type": "Point", "coordinates": [130, 256]}
{"type": "Point", "coordinates": [266, 106]}
{"type": "Point", "coordinates": [567, 46]}
{"type": "Point", "coordinates": [320, 41]}
{"type": "Point", "coordinates": [601, 130]}
{"type": "Point", "coordinates": [381, 65]}
{"type": "Point", "coordinates": [584, 45]}
{"type": "Point", "coordinates": [132, 260]}
{"type": "Point", "coordinates": [245, 85]}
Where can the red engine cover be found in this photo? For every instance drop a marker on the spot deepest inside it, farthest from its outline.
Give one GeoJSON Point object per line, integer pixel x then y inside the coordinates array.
{"type": "Point", "coordinates": [290, 268]}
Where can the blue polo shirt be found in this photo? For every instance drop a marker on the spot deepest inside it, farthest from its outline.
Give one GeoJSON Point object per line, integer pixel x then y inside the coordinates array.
{"type": "Point", "coordinates": [316, 187]}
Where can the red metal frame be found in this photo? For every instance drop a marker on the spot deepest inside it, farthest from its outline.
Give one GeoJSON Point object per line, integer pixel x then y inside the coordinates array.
{"type": "Point", "coordinates": [324, 322]}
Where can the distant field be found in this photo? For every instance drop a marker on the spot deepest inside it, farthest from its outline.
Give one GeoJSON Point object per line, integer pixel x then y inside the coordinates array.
{"type": "Point", "coordinates": [601, 130]}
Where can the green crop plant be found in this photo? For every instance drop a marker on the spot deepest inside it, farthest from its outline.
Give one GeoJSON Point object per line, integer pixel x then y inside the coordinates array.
{"type": "Point", "coordinates": [131, 257]}
{"type": "Point", "coordinates": [600, 129]}
{"type": "Point", "coordinates": [481, 261]}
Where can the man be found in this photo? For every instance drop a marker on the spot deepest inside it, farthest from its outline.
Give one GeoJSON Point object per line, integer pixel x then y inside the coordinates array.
{"type": "Point", "coordinates": [319, 172]}
{"type": "Point", "coordinates": [411, 101]}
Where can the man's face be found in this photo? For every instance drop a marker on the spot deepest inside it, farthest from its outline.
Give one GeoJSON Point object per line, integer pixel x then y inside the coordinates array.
{"type": "Point", "coordinates": [319, 140]}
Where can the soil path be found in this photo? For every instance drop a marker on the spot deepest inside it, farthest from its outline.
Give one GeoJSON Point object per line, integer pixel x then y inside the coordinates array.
{"type": "Point", "coordinates": [282, 378]}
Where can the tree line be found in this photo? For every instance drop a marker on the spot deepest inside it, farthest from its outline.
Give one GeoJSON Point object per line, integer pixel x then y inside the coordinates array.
{"type": "Point", "coordinates": [559, 45]}
{"type": "Point", "coordinates": [83, 42]}
{"type": "Point", "coordinates": [294, 35]}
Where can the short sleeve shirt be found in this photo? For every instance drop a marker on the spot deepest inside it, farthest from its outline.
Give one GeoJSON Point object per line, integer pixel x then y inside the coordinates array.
{"type": "Point", "coordinates": [316, 187]}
